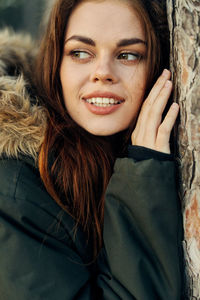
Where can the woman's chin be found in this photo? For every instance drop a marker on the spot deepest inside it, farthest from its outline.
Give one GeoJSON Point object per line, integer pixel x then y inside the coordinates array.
{"type": "Point", "coordinates": [103, 131]}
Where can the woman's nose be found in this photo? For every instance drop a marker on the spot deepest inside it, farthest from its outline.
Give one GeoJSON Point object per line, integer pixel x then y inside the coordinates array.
{"type": "Point", "coordinates": [104, 72]}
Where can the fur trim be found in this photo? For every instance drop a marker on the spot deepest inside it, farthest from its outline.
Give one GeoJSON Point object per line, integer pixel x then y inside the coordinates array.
{"type": "Point", "coordinates": [22, 124]}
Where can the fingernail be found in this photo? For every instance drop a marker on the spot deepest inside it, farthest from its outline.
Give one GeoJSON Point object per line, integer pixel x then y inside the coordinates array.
{"type": "Point", "coordinates": [168, 83]}
{"type": "Point", "coordinates": [165, 72]}
{"type": "Point", "coordinates": [175, 106]}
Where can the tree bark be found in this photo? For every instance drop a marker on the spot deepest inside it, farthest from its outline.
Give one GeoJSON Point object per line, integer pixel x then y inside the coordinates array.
{"type": "Point", "coordinates": [184, 23]}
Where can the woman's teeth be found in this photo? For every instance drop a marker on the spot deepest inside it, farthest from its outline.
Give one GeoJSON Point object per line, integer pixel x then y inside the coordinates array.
{"type": "Point", "coordinates": [103, 102]}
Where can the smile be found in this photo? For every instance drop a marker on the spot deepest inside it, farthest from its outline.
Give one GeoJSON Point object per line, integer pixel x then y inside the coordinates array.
{"type": "Point", "coordinates": [103, 102]}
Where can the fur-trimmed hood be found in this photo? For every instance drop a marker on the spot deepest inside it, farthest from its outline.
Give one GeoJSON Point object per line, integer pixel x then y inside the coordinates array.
{"type": "Point", "coordinates": [22, 120]}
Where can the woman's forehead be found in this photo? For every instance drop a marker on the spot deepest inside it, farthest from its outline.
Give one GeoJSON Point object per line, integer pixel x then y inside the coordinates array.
{"type": "Point", "coordinates": [106, 18]}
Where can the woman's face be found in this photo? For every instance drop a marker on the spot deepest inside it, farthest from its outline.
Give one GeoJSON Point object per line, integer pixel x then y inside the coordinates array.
{"type": "Point", "coordinates": [104, 66]}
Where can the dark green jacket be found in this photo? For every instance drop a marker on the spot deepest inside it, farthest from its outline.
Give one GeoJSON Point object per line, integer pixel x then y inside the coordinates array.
{"type": "Point", "coordinates": [40, 259]}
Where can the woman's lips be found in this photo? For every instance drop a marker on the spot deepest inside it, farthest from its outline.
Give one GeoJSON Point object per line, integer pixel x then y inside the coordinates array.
{"type": "Point", "coordinates": [102, 103]}
{"type": "Point", "coordinates": [100, 94]}
{"type": "Point", "coordinates": [99, 110]}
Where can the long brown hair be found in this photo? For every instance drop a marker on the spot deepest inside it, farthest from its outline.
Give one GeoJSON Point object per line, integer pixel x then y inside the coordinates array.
{"type": "Point", "coordinates": [76, 166]}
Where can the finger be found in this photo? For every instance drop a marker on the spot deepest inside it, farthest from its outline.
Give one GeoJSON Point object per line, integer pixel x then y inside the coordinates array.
{"type": "Point", "coordinates": [162, 99]}
{"type": "Point", "coordinates": [155, 91]}
{"type": "Point", "coordinates": [150, 117]}
{"type": "Point", "coordinates": [154, 116]}
{"type": "Point", "coordinates": [164, 131]}
{"type": "Point", "coordinates": [159, 94]}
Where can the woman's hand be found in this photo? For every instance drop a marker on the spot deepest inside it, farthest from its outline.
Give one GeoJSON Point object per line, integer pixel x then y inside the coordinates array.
{"type": "Point", "coordinates": [149, 131]}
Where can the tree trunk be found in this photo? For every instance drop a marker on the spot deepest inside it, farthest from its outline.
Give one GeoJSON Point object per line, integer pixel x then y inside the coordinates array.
{"type": "Point", "coordinates": [184, 23]}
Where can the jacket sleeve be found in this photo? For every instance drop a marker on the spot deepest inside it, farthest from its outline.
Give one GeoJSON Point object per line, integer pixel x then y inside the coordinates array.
{"type": "Point", "coordinates": [142, 232]}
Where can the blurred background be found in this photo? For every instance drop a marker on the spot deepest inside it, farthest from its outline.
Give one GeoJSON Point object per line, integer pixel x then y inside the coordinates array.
{"type": "Point", "coordinates": [23, 15]}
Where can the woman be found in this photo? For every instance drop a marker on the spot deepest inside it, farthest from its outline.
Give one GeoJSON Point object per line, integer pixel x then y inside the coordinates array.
{"type": "Point", "coordinates": [100, 147]}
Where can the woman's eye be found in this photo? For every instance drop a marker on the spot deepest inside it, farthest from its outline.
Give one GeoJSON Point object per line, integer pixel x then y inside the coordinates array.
{"type": "Point", "coordinates": [129, 56]}
{"type": "Point", "coordinates": [79, 54]}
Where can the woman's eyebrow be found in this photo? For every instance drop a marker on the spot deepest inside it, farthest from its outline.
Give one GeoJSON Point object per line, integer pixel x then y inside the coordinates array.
{"type": "Point", "coordinates": [132, 41]}
{"type": "Point", "coordinates": [82, 39]}
{"type": "Point", "coordinates": [121, 43]}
